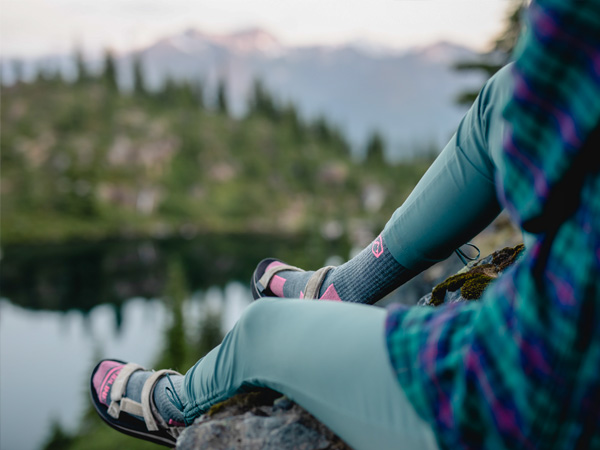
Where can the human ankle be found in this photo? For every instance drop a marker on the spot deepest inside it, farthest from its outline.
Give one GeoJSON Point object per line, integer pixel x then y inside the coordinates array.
{"type": "Point", "coordinates": [288, 283]}
{"type": "Point", "coordinates": [367, 277]}
{"type": "Point", "coordinates": [167, 397]}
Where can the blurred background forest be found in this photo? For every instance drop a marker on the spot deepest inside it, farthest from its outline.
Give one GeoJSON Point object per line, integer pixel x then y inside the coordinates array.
{"type": "Point", "coordinates": [86, 160]}
{"type": "Point", "coordinates": [136, 203]}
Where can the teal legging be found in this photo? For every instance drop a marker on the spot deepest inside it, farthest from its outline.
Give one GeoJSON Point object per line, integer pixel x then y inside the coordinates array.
{"type": "Point", "coordinates": [456, 198]}
{"type": "Point", "coordinates": [331, 357]}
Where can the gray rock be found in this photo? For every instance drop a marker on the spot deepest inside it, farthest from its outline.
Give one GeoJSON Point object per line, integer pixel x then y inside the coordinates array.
{"type": "Point", "coordinates": [261, 420]}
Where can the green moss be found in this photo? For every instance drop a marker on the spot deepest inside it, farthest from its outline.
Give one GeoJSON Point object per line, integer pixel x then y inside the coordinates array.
{"type": "Point", "coordinates": [507, 256]}
{"type": "Point", "coordinates": [241, 403]}
{"type": "Point", "coordinates": [474, 287]}
{"type": "Point", "coordinates": [473, 282]}
{"type": "Point", "coordinates": [471, 285]}
{"type": "Point", "coordinates": [451, 284]}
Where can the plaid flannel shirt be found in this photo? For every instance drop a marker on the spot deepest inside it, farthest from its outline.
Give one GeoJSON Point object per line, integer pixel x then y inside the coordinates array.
{"type": "Point", "coordinates": [521, 368]}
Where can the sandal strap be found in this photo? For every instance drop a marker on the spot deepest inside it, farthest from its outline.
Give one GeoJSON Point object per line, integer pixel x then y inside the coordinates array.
{"type": "Point", "coordinates": [148, 403]}
{"type": "Point", "coordinates": [269, 273]}
{"type": "Point", "coordinates": [118, 389]}
{"type": "Point", "coordinates": [132, 407]}
{"type": "Point", "coordinates": [313, 286]}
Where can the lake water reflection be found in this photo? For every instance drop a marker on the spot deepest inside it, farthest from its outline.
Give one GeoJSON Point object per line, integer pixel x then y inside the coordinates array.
{"type": "Point", "coordinates": [65, 306]}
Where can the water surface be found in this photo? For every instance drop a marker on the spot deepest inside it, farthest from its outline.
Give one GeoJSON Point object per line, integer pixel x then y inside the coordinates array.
{"type": "Point", "coordinates": [63, 307]}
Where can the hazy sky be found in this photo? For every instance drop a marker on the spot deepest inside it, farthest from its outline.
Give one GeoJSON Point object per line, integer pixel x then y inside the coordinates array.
{"type": "Point", "coordinates": [36, 27]}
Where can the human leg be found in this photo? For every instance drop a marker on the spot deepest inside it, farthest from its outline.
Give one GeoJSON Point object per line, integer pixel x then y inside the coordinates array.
{"type": "Point", "coordinates": [454, 200]}
{"type": "Point", "coordinates": [363, 279]}
{"type": "Point", "coordinates": [451, 203]}
{"type": "Point", "coordinates": [330, 358]}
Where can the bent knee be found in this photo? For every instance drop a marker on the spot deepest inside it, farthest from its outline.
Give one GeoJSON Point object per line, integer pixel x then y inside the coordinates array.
{"type": "Point", "coordinates": [257, 317]}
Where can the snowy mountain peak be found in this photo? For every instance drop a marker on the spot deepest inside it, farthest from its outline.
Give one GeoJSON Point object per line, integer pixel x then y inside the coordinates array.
{"type": "Point", "coordinates": [253, 40]}
{"type": "Point", "coordinates": [249, 41]}
{"type": "Point", "coordinates": [362, 85]}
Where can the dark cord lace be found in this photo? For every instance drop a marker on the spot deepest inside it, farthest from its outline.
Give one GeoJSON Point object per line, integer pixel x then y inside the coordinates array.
{"type": "Point", "coordinates": [172, 395]}
{"type": "Point", "coordinates": [466, 258]}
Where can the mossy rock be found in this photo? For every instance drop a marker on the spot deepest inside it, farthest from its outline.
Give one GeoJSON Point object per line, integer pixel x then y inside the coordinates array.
{"type": "Point", "coordinates": [470, 283]}
{"type": "Point", "coordinates": [243, 403]}
{"type": "Point", "coordinates": [259, 420]}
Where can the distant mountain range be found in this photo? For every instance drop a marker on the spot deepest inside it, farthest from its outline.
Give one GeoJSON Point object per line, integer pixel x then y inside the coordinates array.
{"type": "Point", "coordinates": [406, 95]}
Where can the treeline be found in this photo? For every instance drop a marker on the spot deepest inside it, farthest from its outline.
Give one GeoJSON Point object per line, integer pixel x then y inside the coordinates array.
{"type": "Point", "coordinates": [83, 157]}
{"type": "Point", "coordinates": [183, 92]}
{"type": "Point", "coordinates": [499, 52]}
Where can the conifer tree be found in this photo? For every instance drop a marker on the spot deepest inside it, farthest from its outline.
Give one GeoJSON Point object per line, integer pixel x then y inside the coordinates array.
{"type": "Point", "coordinates": [186, 96]}
{"type": "Point", "coordinates": [83, 75]}
{"type": "Point", "coordinates": [176, 292]}
{"type": "Point", "coordinates": [109, 76]}
{"type": "Point", "coordinates": [210, 334]}
{"type": "Point", "coordinates": [167, 92]}
{"type": "Point", "coordinates": [290, 116]}
{"type": "Point", "coordinates": [323, 129]}
{"type": "Point", "coordinates": [222, 101]}
{"type": "Point", "coordinates": [139, 85]}
{"type": "Point", "coordinates": [262, 103]}
{"type": "Point", "coordinates": [198, 91]}
{"type": "Point", "coordinates": [500, 50]}
{"type": "Point", "coordinates": [375, 154]}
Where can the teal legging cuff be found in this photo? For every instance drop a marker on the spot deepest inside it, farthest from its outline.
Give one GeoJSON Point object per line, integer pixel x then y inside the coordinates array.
{"type": "Point", "coordinates": [329, 357]}
{"type": "Point", "coordinates": [456, 198]}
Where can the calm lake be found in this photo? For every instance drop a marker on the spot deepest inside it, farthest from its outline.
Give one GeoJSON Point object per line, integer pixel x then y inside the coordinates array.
{"type": "Point", "coordinates": [63, 307]}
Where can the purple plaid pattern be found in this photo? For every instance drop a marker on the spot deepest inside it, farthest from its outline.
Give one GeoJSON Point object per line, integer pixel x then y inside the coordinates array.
{"type": "Point", "coordinates": [521, 368]}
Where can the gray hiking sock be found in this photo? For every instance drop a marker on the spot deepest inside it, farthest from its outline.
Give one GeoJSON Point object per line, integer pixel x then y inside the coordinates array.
{"type": "Point", "coordinates": [366, 278]}
{"type": "Point", "coordinates": [169, 404]}
{"type": "Point", "coordinates": [294, 283]}
{"type": "Point", "coordinates": [168, 411]}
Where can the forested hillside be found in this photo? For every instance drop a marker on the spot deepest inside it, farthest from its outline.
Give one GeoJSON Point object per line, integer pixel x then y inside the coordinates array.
{"type": "Point", "coordinates": [86, 160]}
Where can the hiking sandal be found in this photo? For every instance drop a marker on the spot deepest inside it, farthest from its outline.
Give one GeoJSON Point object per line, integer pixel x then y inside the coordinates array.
{"type": "Point", "coordinates": [153, 428]}
{"type": "Point", "coordinates": [262, 277]}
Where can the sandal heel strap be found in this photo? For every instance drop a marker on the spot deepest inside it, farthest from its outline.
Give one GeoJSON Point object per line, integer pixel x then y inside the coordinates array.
{"type": "Point", "coordinates": [313, 286]}
{"type": "Point", "coordinates": [147, 404]}
{"type": "Point", "coordinates": [266, 278]}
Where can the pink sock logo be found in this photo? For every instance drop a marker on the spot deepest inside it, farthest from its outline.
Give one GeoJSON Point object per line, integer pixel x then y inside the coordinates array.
{"type": "Point", "coordinates": [377, 247]}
